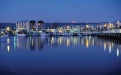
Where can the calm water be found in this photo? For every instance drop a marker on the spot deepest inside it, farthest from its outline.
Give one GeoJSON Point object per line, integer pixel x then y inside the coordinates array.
{"type": "Point", "coordinates": [59, 56]}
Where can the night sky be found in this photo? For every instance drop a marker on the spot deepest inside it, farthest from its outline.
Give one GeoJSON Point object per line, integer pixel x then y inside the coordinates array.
{"type": "Point", "coordinates": [60, 10]}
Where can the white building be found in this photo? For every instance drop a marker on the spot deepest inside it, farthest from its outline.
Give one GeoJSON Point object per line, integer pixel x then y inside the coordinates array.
{"type": "Point", "coordinates": [30, 26]}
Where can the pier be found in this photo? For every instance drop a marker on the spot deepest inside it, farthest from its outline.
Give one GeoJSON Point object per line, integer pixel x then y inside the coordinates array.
{"type": "Point", "coordinates": [116, 37]}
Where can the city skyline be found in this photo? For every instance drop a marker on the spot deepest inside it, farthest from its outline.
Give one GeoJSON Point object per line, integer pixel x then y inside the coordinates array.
{"type": "Point", "coordinates": [60, 11]}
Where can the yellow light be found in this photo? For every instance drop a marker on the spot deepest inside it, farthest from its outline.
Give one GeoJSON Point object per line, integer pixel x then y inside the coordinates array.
{"type": "Point", "coordinates": [60, 40]}
{"type": "Point", "coordinates": [60, 30]}
{"type": "Point", "coordinates": [8, 29]}
{"type": "Point", "coordinates": [87, 26]}
{"type": "Point", "coordinates": [105, 25]}
{"type": "Point", "coordinates": [117, 52]}
{"type": "Point", "coordinates": [87, 43]}
{"type": "Point", "coordinates": [52, 30]}
{"type": "Point", "coordinates": [104, 46]}
{"type": "Point", "coordinates": [52, 40]}
{"type": "Point", "coordinates": [110, 26]}
{"type": "Point", "coordinates": [8, 41]}
{"type": "Point", "coordinates": [8, 48]}
{"type": "Point", "coordinates": [67, 42]}
{"type": "Point", "coordinates": [39, 24]}
{"type": "Point", "coordinates": [109, 49]}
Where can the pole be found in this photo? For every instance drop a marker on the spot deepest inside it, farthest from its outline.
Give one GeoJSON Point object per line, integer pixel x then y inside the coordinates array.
{"type": "Point", "coordinates": [36, 25]}
{"type": "Point", "coordinates": [51, 20]}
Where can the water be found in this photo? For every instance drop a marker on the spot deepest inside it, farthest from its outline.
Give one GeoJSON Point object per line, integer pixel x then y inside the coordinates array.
{"type": "Point", "coordinates": [59, 56]}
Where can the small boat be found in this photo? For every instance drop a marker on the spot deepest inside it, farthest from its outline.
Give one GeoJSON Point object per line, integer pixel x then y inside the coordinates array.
{"type": "Point", "coordinates": [4, 33]}
{"type": "Point", "coordinates": [76, 34]}
{"type": "Point", "coordinates": [66, 34]}
{"type": "Point", "coordinates": [44, 33]}
{"type": "Point", "coordinates": [85, 34]}
{"type": "Point", "coordinates": [21, 33]}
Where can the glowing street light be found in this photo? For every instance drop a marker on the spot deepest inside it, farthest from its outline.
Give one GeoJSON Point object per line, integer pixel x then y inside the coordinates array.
{"type": "Point", "coordinates": [8, 29]}
{"type": "Point", "coordinates": [87, 26]}
{"type": "Point", "coordinates": [105, 25]}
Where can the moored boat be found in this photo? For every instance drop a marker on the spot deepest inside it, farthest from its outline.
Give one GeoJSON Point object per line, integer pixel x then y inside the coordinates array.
{"type": "Point", "coordinates": [65, 34]}
{"type": "Point", "coordinates": [21, 33]}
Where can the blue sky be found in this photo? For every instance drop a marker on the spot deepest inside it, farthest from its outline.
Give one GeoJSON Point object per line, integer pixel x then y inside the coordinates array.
{"type": "Point", "coordinates": [60, 10]}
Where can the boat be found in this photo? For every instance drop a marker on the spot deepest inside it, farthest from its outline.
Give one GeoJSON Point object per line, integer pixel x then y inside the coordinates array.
{"type": "Point", "coordinates": [85, 33]}
{"type": "Point", "coordinates": [54, 32]}
{"type": "Point", "coordinates": [21, 33]}
{"type": "Point", "coordinates": [44, 33]}
{"type": "Point", "coordinates": [66, 34]}
{"type": "Point", "coordinates": [76, 34]}
{"type": "Point", "coordinates": [4, 33]}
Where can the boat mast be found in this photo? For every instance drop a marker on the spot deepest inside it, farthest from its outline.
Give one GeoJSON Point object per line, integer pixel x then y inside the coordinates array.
{"type": "Point", "coordinates": [36, 25]}
{"type": "Point", "coordinates": [51, 20]}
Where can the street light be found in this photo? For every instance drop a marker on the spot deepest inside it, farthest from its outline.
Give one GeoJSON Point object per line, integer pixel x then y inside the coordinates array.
{"type": "Point", "coordinates": [87, 26]}
{"type": "Point", "coordinates": [8, 29]}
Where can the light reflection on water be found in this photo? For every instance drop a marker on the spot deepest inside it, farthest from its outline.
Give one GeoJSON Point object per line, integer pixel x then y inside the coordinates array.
{"type": "Point", "coordinates": [59, 56]}
{"type": "Point", "coordinates": [38, 43]}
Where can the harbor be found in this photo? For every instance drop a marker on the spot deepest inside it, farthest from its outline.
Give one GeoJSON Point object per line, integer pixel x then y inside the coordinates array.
{"type": "Point", "coordinates": [31, 52]}
{"type": "Point", "coordinates": [37, 28]}
{"type": "Point", "coordinates": [60, 37]}
{"type": "Point", "coordinates": [58, 55]}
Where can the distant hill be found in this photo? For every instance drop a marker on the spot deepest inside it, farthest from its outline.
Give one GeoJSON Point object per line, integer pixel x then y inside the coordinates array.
{"type": "Point", "coordinates": [5, 25]}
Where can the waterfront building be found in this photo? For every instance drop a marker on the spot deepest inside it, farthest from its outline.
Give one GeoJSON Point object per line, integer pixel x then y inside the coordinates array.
{"type": "Point", "coordinates": [22, 25]}
{"type": "Point", "coordinates": [69, 30]}
{"type": "Point", "coordinates": [30, 26]}
{"type": "Point", "coordinates": [41, 25]}
{"type": "Point", "coordinates": [118, 24]}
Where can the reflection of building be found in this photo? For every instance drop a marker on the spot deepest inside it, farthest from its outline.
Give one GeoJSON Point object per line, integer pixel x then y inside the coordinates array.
{"type": "Point", "coordinates": [38, 43]}
{"type": "Point", "coordinates": [29, 43]}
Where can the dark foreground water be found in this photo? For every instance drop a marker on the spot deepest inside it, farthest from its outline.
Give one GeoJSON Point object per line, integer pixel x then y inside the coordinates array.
{"type": "Point", "coordinates": [59, 56]}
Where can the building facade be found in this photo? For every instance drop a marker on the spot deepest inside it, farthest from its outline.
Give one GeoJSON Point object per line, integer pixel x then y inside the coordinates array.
{"type": "Point", "coordinates": [30, 26]}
